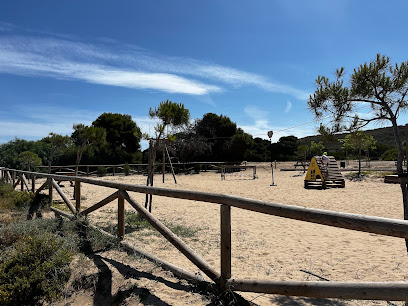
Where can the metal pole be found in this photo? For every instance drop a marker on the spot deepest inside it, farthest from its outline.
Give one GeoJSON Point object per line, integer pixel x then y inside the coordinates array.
{"type": "Point", "coordinates": [270, 133]}
{"type": "Point", "coordinates": [273, 181]}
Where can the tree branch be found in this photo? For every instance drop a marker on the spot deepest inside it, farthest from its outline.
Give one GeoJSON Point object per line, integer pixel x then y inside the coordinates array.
{"type": "Point", "coordinates": [366, 100]}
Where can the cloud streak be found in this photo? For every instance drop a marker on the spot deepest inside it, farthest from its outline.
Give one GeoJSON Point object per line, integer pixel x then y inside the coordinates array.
{"type": "Point", "coordinates": [111, 63]}
{"type": "Point", "coordinates": [51, 59]}
{"type": "Point", "coordinates": [288, 107]}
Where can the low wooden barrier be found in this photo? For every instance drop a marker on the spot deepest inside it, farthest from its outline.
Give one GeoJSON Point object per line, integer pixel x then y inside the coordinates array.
{"type": "Point", "coordinates": [344, 290]}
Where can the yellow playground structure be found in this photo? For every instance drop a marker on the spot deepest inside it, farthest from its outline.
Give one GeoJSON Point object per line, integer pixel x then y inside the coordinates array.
{"type": "Point", "coordinates": [322, 176]}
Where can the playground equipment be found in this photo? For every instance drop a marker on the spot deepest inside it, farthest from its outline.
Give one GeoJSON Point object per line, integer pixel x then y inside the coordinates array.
{"type": "Point", "coordinates": [322, 176]}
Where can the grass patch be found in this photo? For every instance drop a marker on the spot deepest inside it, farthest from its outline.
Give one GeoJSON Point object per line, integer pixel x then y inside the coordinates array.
{"type": "Point", "coordinates": [92, 241]}
{"type": "Point", "coordinates": [61, 206]}
{"type": "Point", "coordinates": [136, 221]}
{"type": "Point", "coordinates": [182, 231]}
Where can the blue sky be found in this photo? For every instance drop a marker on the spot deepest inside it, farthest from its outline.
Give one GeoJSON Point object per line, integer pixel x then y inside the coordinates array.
{"type": "Point", "coordinates": [65, 62]}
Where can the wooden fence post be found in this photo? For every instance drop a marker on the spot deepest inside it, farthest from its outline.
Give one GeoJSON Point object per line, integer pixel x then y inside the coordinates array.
{"type": "Point", "coordinates": [225, 212]}
{"type": "Point", "coordinates": [33, 183]}
{"type": "Point", "coordinates": [50, 190]}
{"type": "Point", "coordinates": [21, 182]}
{"type": "Point", "coordinates": [121, 216]}
{"type": "Point", "coordinates": [406, 139]}
{"type": "Point", "coordinates": [77, 196]}
{"type": "Point", "coordinates": [164, 163]}
{"type": "Point", "coordinates": [13, 175]}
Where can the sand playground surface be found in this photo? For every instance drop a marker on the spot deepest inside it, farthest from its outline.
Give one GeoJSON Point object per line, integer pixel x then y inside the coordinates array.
{"type": "Point", "coordinates": [266, 247]}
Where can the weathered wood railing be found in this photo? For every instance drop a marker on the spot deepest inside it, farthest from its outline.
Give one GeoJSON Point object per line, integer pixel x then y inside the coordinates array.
{"type": "Point", "coordinates": [345, 290]}
{"type": "Point", "coordinates": [140, 168]}
{"type": "Point", "coordinates": [89, 170]}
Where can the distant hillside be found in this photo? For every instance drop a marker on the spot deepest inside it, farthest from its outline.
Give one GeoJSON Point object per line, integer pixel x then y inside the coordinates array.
{"type": "Point", "coordinates": [384, 137]}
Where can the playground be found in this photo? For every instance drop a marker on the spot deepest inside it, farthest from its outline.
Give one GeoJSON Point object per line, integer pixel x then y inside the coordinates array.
{"type": "Point", "coordinates": [268, 247]}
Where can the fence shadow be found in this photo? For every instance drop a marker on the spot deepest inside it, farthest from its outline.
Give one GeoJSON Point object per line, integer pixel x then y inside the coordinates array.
{"type": "Point", "coordinates": [103, 287]}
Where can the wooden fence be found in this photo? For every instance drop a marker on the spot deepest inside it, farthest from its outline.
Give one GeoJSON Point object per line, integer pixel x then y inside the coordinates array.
{"type": "Point", "coordinates": [389, 291]}
{"type": "Point", "coordinates": [89, 170]}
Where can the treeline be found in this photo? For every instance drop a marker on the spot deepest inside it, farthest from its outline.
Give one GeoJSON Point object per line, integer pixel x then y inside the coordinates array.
{"type": "Point", "coordinates": [111, 139]}
{"type": "Point", "coordinates": [115, 139]}
{"type": "Point", "coordinates": [384, 148]}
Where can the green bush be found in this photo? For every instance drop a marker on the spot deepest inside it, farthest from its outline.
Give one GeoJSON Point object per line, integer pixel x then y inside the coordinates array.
{"type": "Point", "coordinates": [391, 154]}
{"type": "Point", "coordinates": [5, 189]}
{"type": "Point", "coordinates": [126, 169]}
{"type": "Point", "coordinates": [101, 171]}
{"type": "Point", "coordinates": [197, 168]}
{"type": "Point", "coordinates": [33, 269]}
{"type": "Point", "coordinates": [12, 199]}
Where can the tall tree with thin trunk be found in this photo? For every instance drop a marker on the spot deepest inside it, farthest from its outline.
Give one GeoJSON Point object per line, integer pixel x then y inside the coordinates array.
{"type": "Point", "coordinates": [379, 85]}
{"type": "Point", "coordinates": [172, 115]}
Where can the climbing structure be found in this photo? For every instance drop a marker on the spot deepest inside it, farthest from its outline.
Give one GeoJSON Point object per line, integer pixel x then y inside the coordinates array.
{"type": "Point", "coordinates": [320, 176]}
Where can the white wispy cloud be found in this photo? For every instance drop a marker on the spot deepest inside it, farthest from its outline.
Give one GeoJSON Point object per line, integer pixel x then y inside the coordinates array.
{"type": "Point", "coordinates": [33, 59]}
{"type": "Point", "coordinates": [288, 107]}
{"type": "Point", "coordinates": [261, 124]}
{"type": "Point", "coordinates": [108, 62]}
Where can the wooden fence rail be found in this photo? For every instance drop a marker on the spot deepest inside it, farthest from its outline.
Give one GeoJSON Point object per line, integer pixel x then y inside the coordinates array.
{"type": "Point", "coordinates": [140, 168]}
{"type": "Point", "coordinates": [345, 290]}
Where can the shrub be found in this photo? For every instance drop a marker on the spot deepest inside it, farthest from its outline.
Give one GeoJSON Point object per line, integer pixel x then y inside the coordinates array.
{"type": "Point", "coordinates": [391, 154]}
{"type": "Point", "coordinates": [126, 169]}
{"type": "Point", "coordinates": [197, 168]}
{"type": "Point", "coordinates": [34, 268]}
{"type": "Point", "coordinates": [12, 199]}
{"type": "Point", "coordinates": [101, 171]}
{"type": "Point", "coordinates": [5, 189]}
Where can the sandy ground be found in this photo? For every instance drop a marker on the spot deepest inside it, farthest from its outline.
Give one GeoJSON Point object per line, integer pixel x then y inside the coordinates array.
{"type": "Point", "coordinates": [269, 247]}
